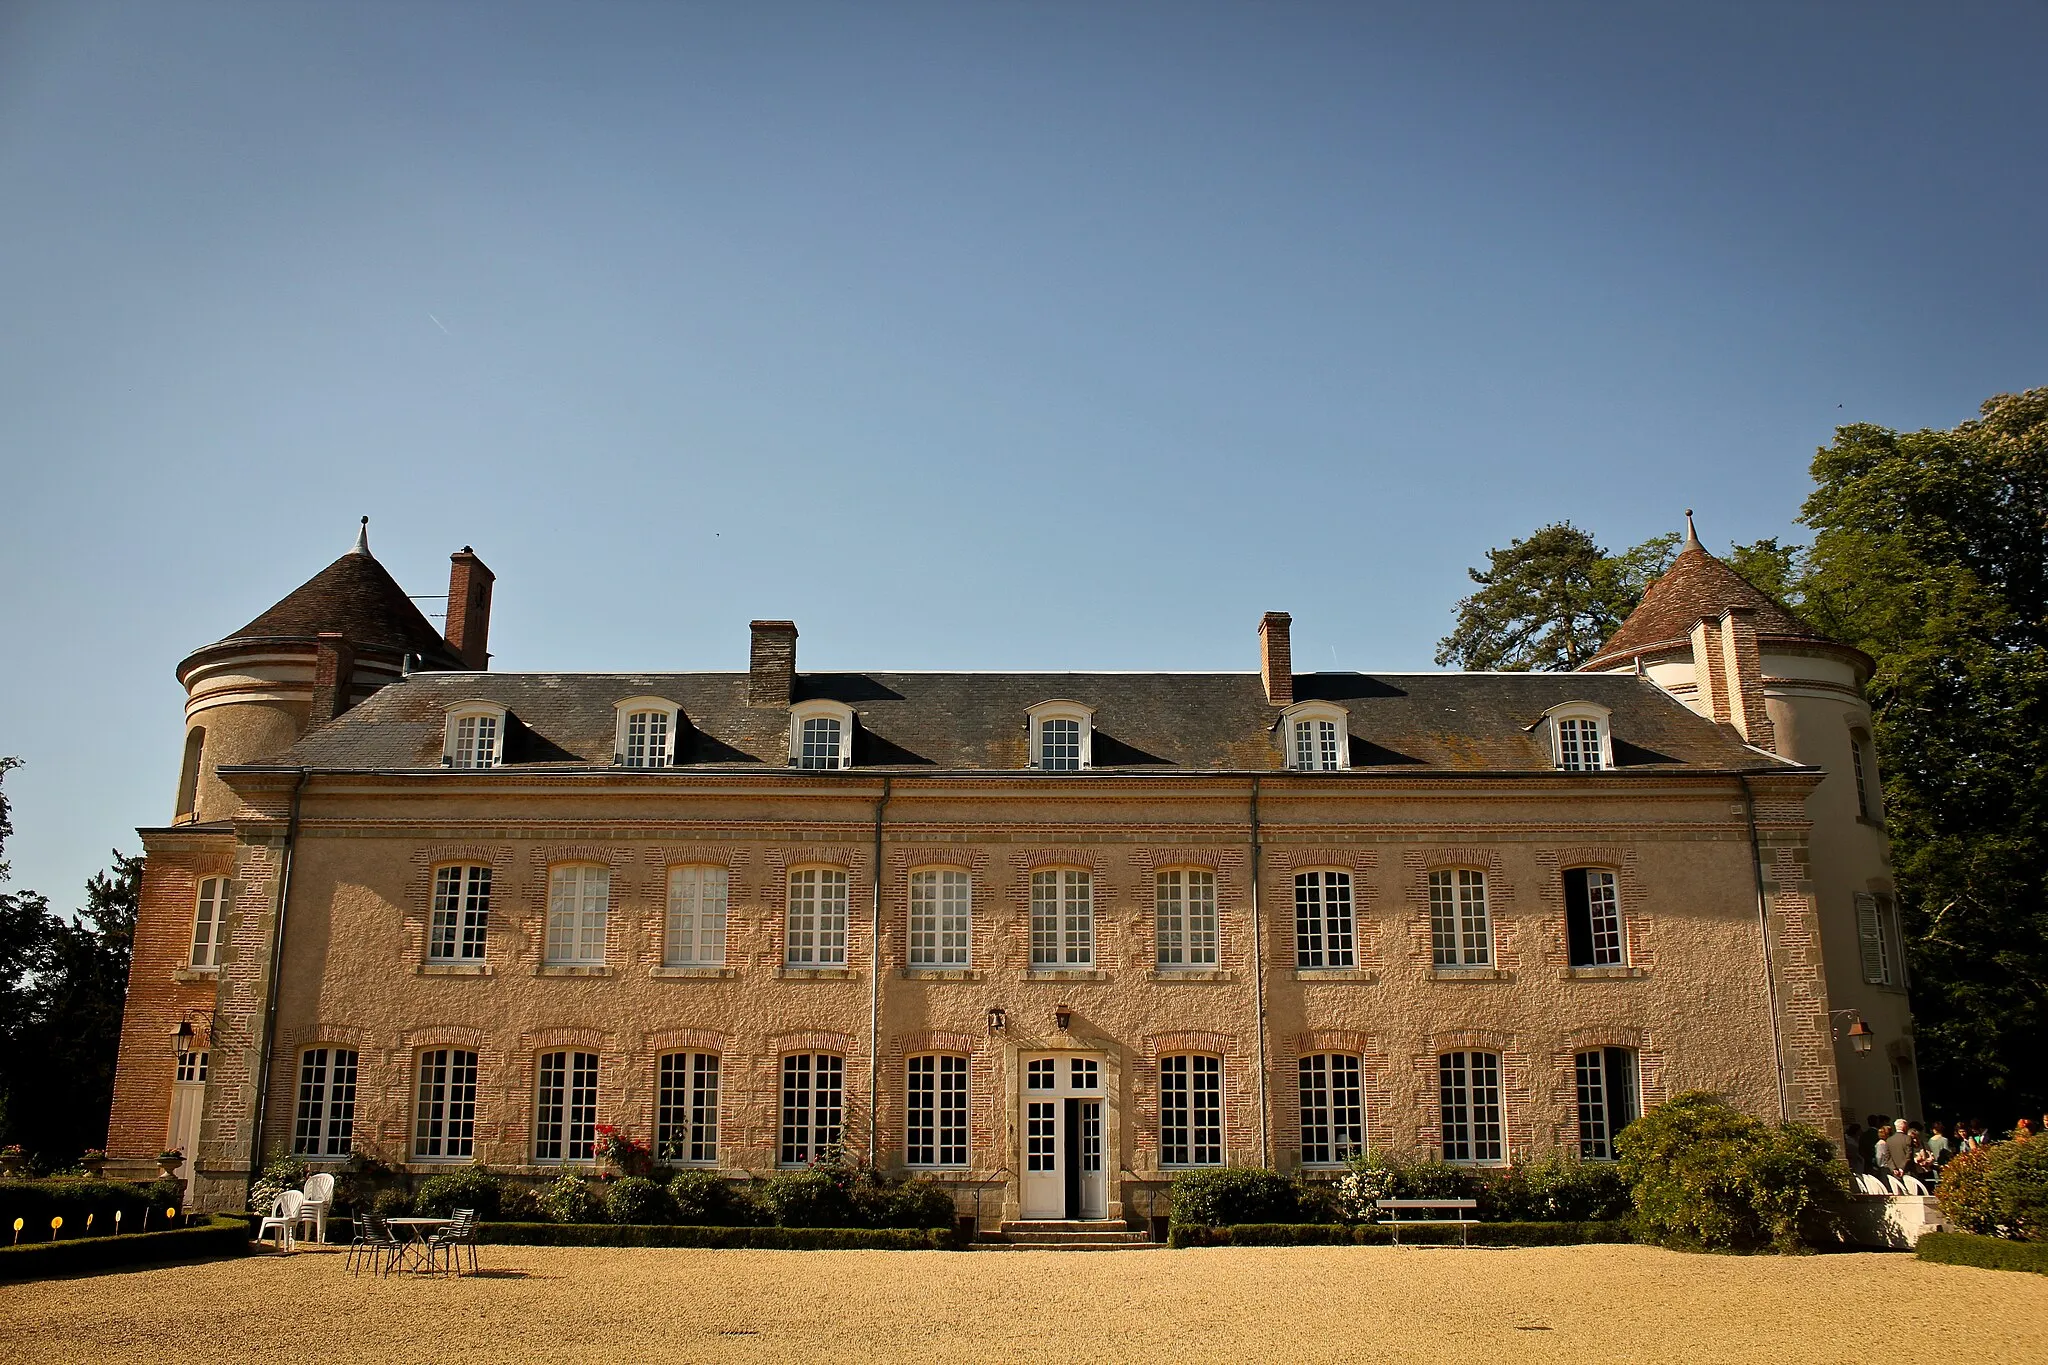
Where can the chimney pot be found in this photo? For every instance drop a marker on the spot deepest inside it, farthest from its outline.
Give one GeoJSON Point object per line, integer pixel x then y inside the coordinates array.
{"type": "Point", "coordinates": [469, 609]}
{"type": "Point", "coordinates": [1276, 657]}
{"type": "Point", "coordinates": [771, 665]}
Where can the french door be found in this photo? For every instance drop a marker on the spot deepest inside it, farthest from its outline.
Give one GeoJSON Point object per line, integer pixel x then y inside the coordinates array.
{"type": "Point", "coordinates": [1063, 1139]}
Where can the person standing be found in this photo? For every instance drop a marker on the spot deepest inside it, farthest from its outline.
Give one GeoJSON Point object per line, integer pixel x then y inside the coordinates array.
{"type": "Point", "coordinates": [1938, 1145]}
{"type": "Point", "coordinates": [1898, 1150]}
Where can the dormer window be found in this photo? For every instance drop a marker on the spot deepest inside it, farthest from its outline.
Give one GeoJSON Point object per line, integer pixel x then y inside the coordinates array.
{"type": "Point", "coordinates": [1062, 737]}
{"type": "Point", "coordinates": [821, 735]}
{"type": "Point", "coordinates": [475, 736]}
{"type": "Point", "coordinates": [1580, 741]}
{"type": "Point", "coordinates": [1318, 737]}
{"type": "Point", "coordinates": [646, 733]}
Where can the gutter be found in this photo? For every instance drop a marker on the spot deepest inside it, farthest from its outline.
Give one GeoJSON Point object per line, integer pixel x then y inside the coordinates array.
{"type": "Point", "coordinates": [1763, 921]}
{"type": "Point", "coordinates": [1259, 986]}
{"type": "Point", "coordinates": [284, 891]}
{"type": "Point", "coordinates": [875, 982]}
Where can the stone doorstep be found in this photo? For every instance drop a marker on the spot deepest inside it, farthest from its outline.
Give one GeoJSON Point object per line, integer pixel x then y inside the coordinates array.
{"type": "Point", "coordinates": [1067, 1235]}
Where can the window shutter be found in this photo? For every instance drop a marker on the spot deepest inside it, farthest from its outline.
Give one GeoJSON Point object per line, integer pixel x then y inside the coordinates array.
{"type": "Point", "coordinates": [1870, 937]}
{"type": "Point", "coordinates": [1578, 917]}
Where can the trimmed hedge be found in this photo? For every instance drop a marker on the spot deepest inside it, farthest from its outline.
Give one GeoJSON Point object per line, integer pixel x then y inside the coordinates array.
{"type": "Point", "coordinates": [682, 1235]}
{"type": "Point", "coordinates": [1987, 1253]}
{"type": "Point", "coordinates": [36, 1202]}
{"type": "Point", "coordinates": [216, 1238]}
{"type": "Point", "coordinates": [1380, 1234]}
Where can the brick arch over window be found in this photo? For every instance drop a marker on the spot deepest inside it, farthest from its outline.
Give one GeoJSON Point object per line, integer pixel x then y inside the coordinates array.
{"type": "Point", "coordinates": [903, 859]}
{"type": "Point", "coordinates": [416, 911]}
{"type": "Point", "coordinates": [1284, 861]}
{"type": "Point", "coordinates": [1381, 1125]}
{"type": "Point", "coordinates": [1233, 904]}
{"type": "Point", "coordinates": [1553, 942]}
{"type": "Point", "coordinates": [811, 1040]}
{"type": "Point", "coordinates": [532, 923]}
{"type": "Point", "coordinates": [683, 1040]}
{"type": "Point", "coordinates": [1517, 1082]}
{"type": "Point", "coordinates": [396, 1094]}
{"type": "Point", "coordinates": [1500, 900]}
{"type": "Point", "coordinates": [776, 867]}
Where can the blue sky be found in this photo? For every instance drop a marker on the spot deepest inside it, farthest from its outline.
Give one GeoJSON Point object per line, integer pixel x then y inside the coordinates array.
{"type": "Point", "coordinates": [968, 335]}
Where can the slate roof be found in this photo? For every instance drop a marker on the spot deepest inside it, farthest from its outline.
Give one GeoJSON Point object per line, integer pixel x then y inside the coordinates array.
{"type": "Point", "coordinates": [357, 596]}
{"type": "Point", "coordinates": [1696, 585]}
{"type": "Point", "coordinates": [1144, 722]}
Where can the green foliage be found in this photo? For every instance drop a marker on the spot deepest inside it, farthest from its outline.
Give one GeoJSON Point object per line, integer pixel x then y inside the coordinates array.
{"type": "Point", "coordinates": [636, 1199]}
{"type": "Point", "coordinates": [282, 1172]}
{"type": "Point", "coordinates": [1987, 1253]}
{"type": "Point", "coordinates": [1708, 1177]}
{"type": "Point", "coordinates": [471, 1187]}
{"type": "Point", "coordinates": [357, 1184]}
{"type": "Point", "coordinates": [1369, 1234]}
{"type": "Point", "coordinates": [2000, 1190]}
{"type": "Point", "coordinates": [1235, 1194]}
{"type": "Point", "coordinates": [391, 1203]}
{"type": "Point", "coordinates": [1548, 602]}
{"type": "Point", "coordinates": [570, 1198]}
{"type": "Point", "coordinates": [36, 1202]}
{"type": "Point", "coordinates": [708, 1199]}
{"type": "Point", "coordinates": [1772, 568]}
{"type": "Point", "coordinates": [764, 1238]}
{"type": "Point", "coordinates": [809, 1199]}
{"type": "Point", "coordinates": [922, 1204]}
{"type": "Point", "coordinates": [215, 1238]}
{"type": "Point", "coordinates": [1557, 1188]}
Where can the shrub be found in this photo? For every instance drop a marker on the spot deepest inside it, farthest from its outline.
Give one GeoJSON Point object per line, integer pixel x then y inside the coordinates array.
{"type": "Point", "coordinates": [284, 1172]}
{"type": "Point", "coordinates": [636, 1199]}
{"type": "Point", "coordinates": [810, 1199]}
{"type": "Point", "coordinates": [1562, 1188]}
{"type": "Point", "coordinates": [1235, 1194]}
{"type": "Point", "coordinates": [357, 1184]}
{"type": "Point", "coordinates": [1708, 1177]}
{"type": "Point", "coordinates": [517, 1202]}
{"type": "Point", "coordinates": [1987, 1253]}
{"type": "Point", "coordinates": [779, 1239]}
{"type": "Point", "coordinates": [472, 1187]}
{"type": "Point", "coordinates": [921, 1204]}
{"type": "Point", "coordinates": [569, 1198]}
{"type": "Point", "coordinates": [36, 1202]}
{"type": "Point", "coordinates": [391, 1203]}
{"type": "Point", "coordinates": [1370, 1234]}
{"type": "Point", "coordinates": [708, 1199]}
{"type": "Point", "coordinates": [2000, 1190]}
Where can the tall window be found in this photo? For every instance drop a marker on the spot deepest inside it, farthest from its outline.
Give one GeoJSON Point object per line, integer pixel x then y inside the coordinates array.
{"type": "Point", "coordinates": [1876, 937]}
{"type": "Point", "coordinates": [565, 1110]}
{"type": "Point", "coordinates": [446, 1118]}
{"type": "Point", "coordinates": [695, 934]}
{"type": "Point", "coordinates": [686, 1109]}
{"type": "Point", "coordinates": [1316, 745]}
{"type": "Point", "coordinates": [1186, 904]}
{"type": "Point", "coordinates": [937, 1133]}
{"type": "Point", "coordinates": [462, 914]}
{"type": "Point", "coordinates": [474, 743]}
{"type": "Point", "coordinates": [1608, 1099]}
{"type": "Point", "coordinates": [822, 744]}
{"type": "Point", "coordinates": [1062, 919]}
{"type": "Point", "coordinates": [1322, 920]}
{"type": "Point", "coordinates": [579, 911]}
{"type": "Point", "coordinates": [1191, 1111]}
{"type": "Point", "coordinates": [1462, 929]}
{"type": "Point", "coordinates": [210, 922]}
{"type": "Point", "coordinates": [1059, 745]}
{"type": "Point", "coordinates": [817, 917]}
{"type": "Point", "coordinates": [1592, 917]}
{"type": "Point", "coordinates": [1578, 744]}
{"type": "Point", "coordinates": [647, 738]}
{"type": "Point", "coordinates": [188, 775]}
{"type": "Point", "coordinates": [1469, 1087]}
{"type": "Point", "coordinates": [940, 909]}
{"type": "Point", "coordinates": [1332, 1108]}
{"type": "Point", "coordinates": [1863, 807]}
{"type": "Point", "coordinates": [812, 1088]}
{"type": "Point", "coordinates": [327, 1102]}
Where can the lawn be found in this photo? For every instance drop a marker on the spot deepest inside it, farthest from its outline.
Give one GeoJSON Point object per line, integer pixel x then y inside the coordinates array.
{"type": "Point", "coordinates": [1309, 1303]}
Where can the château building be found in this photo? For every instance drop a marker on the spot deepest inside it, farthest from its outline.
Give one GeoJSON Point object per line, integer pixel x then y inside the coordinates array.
{"type": "Point", "coordinates": [1050, 937]}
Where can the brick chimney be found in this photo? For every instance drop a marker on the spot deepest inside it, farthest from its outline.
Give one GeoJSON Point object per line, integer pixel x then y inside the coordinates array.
{"type": "Point", "coordinates": [1710, 679]}
{"type": "Point", "coordinates": [469, 608]}
{"type": "Point", "coordinates": [1276, 657]}
{"type": "Point", "coordinates": [771, 668]}
{"type": "Point", "coordinates": [334, 670]}
{"type": "Point", "coordinates": [1744, 670]}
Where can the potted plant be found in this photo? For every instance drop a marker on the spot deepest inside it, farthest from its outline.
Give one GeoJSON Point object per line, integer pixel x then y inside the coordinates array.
{"type": "Point", "coordinates": [168, 1162]}
{"type": "Point", "coordinates": [94, 1161]}
{"type": "Point", "coordinates": [12, 1159]}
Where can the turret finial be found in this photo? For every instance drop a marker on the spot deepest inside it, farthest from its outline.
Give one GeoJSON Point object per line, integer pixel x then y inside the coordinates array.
{"type": "Point", "coordinates": [363, 537]}
{"type": "Point", "coordinates": [1692, 537]}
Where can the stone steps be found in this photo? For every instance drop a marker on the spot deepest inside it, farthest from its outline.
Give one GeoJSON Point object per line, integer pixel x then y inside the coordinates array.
{"type": "Point", "coordinates": [1067, 1235]}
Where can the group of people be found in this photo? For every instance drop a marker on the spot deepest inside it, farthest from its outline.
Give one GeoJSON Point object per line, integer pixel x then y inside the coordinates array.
{"type": "Point", "coordinates": [1895, 1156]}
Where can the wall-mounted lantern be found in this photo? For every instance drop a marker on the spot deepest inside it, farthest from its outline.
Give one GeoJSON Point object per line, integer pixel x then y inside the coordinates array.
{"type": "Point", "coordinates": [997, 1020]}
{"type": "Point", "coordinates": [1063, 1017]}
{"type": "Point", "coordinates": [182, 1039]}
{"type": "Point", "coordinates": [1861, 1036]}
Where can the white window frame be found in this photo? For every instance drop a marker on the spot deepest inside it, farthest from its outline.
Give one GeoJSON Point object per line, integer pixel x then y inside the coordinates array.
{"type": "Point", "coordinates": [813, 1112]}
{"type": "Point", "coordinates": [1603, 720]}
{"type": "Point", "coordinates": [473, 749]}
{"type": "Point", "coordinates": [814, 928]}
{"type": "Point", "coordinates": [1332, 1094]}
{"type": "Point", "coordinates": [1332, 755]}
{"type": "Point", "coordinates": [1186, 932]}
{"type": "Point", "coordinates": [1593, 1070]}
{"type": "Point", "coordinates": [324, 1124]}
{"type": "Point", "coordinates": [693, 930]}
{"type": "Point", "coordinates": [444, 1115]}
{"type": "Point", "coordinates": [1081, 714]}
{"type": "Point", "coordinates": [937, 1134]}
{"type": "Point", "coordinates": [1062, 919]}
{"type": "Point", "coordinates": [1472, 1109]}
{"type": "Point", "coordinates": [459, 922]}
{"type": "Point", "coordinates": [579, 914]}
{"type": "Point", "coordinates": [1606, 926]}
{"type": "Point", "coordinates": [1877, 938]}
{"type": "Point", "coordinates": [565, 1114]}
{"type": "Point", "coordinates": [941, 913]}
{"type": "Point", "coordinates": [1456, 939]}
{"type": "Point", "coordinates": [1325, 933]}
{"type": "Point", "coordinates": [1191, 1110]}
{"type": "Point", "coordinates": [686, 1086]}
{"type": "Point", "coordinates": [820, 708]}
{"type": "Point", "coordinates": [664, 752]}
{"type": "Point", "coordinates": [210, 906]}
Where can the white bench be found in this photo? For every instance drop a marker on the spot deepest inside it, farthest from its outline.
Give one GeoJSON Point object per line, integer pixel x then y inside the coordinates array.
{"type": "Point", "coordinates": [1461, 1209]}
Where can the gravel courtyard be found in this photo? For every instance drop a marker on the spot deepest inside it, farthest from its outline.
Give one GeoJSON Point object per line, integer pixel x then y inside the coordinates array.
{"type": "Point", "coordinates": [1334, 1303]}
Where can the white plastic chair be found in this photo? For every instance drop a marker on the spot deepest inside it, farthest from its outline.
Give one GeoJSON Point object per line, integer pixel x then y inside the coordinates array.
{"type": "Point", "coordinates": [284, 1216]}
{"type": "Point", "coordinates": [319, 1198]}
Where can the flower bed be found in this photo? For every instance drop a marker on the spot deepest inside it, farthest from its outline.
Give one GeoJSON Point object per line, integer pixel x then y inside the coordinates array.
{"type": "Point", "coordinates": [36, 1202]}
{"type": "Point", "coordinates": [211, 1240]}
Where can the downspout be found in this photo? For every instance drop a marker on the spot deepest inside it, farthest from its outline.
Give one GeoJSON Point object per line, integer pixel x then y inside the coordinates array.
{"type": "Point", "coordinates": [875, 984]}
{"type": "Point", "coordinates": [1763, 920]}
{"type": "Point", "coordinates": [1258, 961]}
{"type": "Point", "coordinates": [284, 891]}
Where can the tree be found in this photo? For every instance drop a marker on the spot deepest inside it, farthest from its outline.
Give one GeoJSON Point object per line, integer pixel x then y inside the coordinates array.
{"type": "Point", "coordinates": [1931, 554]}
{"type": "Point", "coordinates": [1548, 602]}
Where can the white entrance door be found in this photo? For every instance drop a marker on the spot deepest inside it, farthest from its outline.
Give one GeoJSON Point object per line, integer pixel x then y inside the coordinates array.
{"type": "Point", "coordinates": [1062, 1107]}
{"type": "Point", "coordinates": [188, 1097]}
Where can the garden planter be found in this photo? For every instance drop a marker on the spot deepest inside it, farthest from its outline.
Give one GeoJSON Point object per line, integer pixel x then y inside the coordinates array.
{"type": "Point", "coordinates": [94, 1165]}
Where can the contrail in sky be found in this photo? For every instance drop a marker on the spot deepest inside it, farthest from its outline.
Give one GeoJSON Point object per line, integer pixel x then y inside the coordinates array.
{"type": "Point", "coordinates": [442, 325]}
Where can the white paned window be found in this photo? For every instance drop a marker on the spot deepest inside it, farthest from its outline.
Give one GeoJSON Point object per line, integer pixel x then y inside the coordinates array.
{"type": "Point", "coordinates": [192, 1067]}
{"type": "Point", "coordinates": [462, 914]}
{"type": "Point", "coordinates": [1332, 1109]}
{"type": "Point", "coordinates": [1592, 913]}
{"type": "Point", "coordinates": [1459, 923]}
{"type": "Point", "coordinates": [1191, 1111]}
{"type": "Point", "coordinates": [565, 1109]}
{"type": "Point", "coordinates": [473, 741]}
{"type": "Point", "coordinates": [937, 1133]}
{"type": "Point", "coordinates": [1322, 920]}
{"type": "Point", "coordinates": [1062, 918]}
{"type": "Point", "coordinates": [695, 931]}
{"type": "Point", "coordinates": [1607, 1099]}
{"type": "Point", "coordinates": [1315, 745]}
{"type": "Point", "coordinates": [1059, 745]}
{"type": "Point", "coordinates": [579, 911]}
{"type": "Point", "coordinates": [445, 1124]}
{"type": "Point", "coordinates": [1578, 744]}
{"type": "Point", "coordinates": [824, 740]}
{"type": "Point", "coordinates": [1042, 1074]}
{"type": "Point", "coordinates": [1185, 904]}
{"type": "Point", "coordinates": [817, 917]}
{"type": "Point", "coordinates": [210, 922]}
{"type": "Point", "coordinates": [940, 918]}
{"type": "Point", "coordinates": [1084, 1073]}
{"type": "Point", "coordinates": [1875, 938]}
{"type": "Point", "coordinates": [647, 736]}
{"type": "Point", "coordinates": [327, 1102]}
{"type": "Point", "coordinates": [812, 1095]}
{"type": "Point", "coordinates": [1469, 1091]}
{"type": "Point", "coordinates": [686, 1109]}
